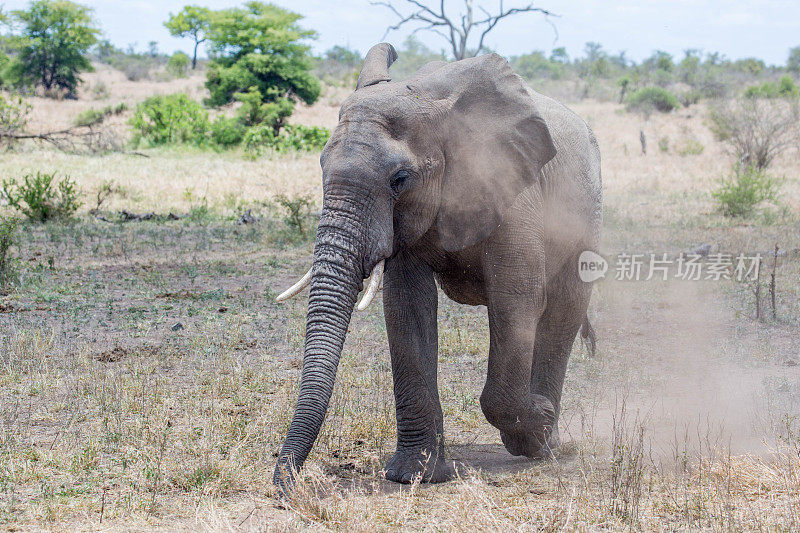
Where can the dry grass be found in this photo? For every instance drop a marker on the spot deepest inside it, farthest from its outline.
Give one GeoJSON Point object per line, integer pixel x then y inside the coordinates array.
{"type": "Point", "coordinates": [112, 420]}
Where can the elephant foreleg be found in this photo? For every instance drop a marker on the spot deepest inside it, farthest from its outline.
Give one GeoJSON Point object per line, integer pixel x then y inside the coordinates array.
{"type": "Point", "coordinates": [410, 306]}
{"type": "Point", "coordinates": [524, 417]}
{"type": "Point", "coordinates": [515, 297]}
{"type": "Point", "coordinates": [567, 301]}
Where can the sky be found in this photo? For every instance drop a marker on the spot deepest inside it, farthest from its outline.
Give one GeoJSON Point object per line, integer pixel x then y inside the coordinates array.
{"type": "Point", "coordinates": [737, 29]}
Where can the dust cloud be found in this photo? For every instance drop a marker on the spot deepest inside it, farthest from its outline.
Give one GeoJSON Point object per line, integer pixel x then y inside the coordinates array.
{"type": "Point", "coordinates": [684, 368]}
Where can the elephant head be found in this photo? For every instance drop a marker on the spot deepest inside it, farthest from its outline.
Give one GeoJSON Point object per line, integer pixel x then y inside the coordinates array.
{"type": "Point", "coordinates": [446, 151]}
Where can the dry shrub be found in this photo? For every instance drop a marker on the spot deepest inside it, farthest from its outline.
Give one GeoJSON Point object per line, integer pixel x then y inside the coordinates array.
{"type": "Point", "coordinates": [756, 131]}
{"type": "Point", "coordinates": [317, 499]}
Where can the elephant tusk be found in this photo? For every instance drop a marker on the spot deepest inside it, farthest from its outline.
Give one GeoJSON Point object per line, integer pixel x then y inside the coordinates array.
{"type": "Point", "coordinates": [295, 289]}
{"type": "Point", "coordinates": [374, 284]}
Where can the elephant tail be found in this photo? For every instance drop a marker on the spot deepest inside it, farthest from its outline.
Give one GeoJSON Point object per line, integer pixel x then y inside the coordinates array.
{"type": "Point", "coordinates": [588, 335]}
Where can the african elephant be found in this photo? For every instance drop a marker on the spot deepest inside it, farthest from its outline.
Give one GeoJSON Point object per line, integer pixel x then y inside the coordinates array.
{"type": "Point", "coordinates": [463, 175]}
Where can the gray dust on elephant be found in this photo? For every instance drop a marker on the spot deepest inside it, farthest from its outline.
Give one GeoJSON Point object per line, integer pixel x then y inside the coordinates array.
{"type": "Point", "coordinates": [465, 176]}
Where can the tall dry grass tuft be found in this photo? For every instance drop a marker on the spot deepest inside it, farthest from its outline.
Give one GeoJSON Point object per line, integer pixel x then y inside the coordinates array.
{"type": "Point", "coordinates": [627, 467]}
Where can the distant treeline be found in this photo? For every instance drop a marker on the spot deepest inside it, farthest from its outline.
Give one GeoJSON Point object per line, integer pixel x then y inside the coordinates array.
{"type": "Point", "coordinates": [598, 73]}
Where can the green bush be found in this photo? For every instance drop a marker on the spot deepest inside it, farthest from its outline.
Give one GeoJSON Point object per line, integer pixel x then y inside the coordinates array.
{"type": "Point", "coordinates": [785, 88]}
{"type": "Point", "coordinates": [178, 65]}
{"type": "Point", "coordinates": [170, 119]}
{"type": "Point", "coordinates": [292, 137]}
{"type": "Point", "coordinates": [624, 84]}
{"type": "Point", "coordinates": [227, 132]}
{"type": "Point", "coordinates": [258, 138]}
{"type": "Point", "coordinates": [41, 197]}
{"type": "Point", "coordinates": [93, 117]}
{"type": "Point", "coordinates": [690, 97]}
{"type": "Point", "coordinates": [8, 270]}
{"type": "Point", "coordinates": [651, 98]}
{"type": "Point", "coordinates": [176, 119]}
{"type": "Point", "coordinates": [302, 138]}
{"type": "Point", "coordinates": [297, 210]}
{"type": "Point", "coordinates": [793, 64]}
{"type": "Point", "coordinates": [13, 117]}
{"type": "Point", "coordinates": [739, 194]}
{"type": "Point", "coordinates": [257, 110]}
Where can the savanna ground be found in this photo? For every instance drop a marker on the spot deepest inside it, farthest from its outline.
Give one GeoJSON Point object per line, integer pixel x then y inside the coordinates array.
{"type": "Point", "coordinates": [114, 417]}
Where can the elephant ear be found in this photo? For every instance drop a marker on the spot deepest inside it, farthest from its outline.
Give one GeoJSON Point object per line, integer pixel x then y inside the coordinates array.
{"type": "Point", "coordinates": [495, 144]}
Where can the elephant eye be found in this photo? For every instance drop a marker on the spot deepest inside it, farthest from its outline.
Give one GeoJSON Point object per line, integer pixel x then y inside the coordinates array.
{"type": "Point", "coordinates": [399, 179]}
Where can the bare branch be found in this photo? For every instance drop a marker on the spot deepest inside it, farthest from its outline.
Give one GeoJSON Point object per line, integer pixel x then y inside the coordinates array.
{"type": "Point", "coordinates": [491, 21]}
{"type": "Point", "coordinates": [73, 139]}
{"type": "Point", "coordinates": [459, 32]}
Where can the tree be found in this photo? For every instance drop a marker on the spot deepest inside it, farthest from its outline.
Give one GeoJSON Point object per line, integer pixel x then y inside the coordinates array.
{"type": "Point", "coordinates": [178, 64]}
{"type": "Point", "coordinates": [412, 56]}
{"type": "Point", "coordinates": [339, 64]}
{"type": "Point", "coordinates": [258, 49]}
{"type": "Point", "coordinates": [4, 21]}
{"type": "Point", "coordinates": [596, 63]}
{"type": "Point", "coordinates": [191, 21]}
{"type": "Point", "coordinates": [689, 66]}
{"type": "Point", "coordinates": [663, 61]}
{"type": "Point", "coordinates": [536, 65]}
{"type": "Point", "coordinates": [152, 49]}
{"type": "Point", "coordinates": [559, 55]}
{"type": "Point", "coordinates": [750, 65]}
{"type": "Point", "coordinates": [104, 50]}
{"type": "Point", "coordinates": [455, 29]}
{"type": "Point", "coordinates": [594, 51]}
{"type": "Point", "coordinates": [343, 56]}
{"type": "Point", "coordinates": [51, 49]}
{"type": "Point", "coordinates": [793, 64]}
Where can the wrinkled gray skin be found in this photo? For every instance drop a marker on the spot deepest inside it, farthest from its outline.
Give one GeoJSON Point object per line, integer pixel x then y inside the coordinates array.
{"type": "Point", "coordinates": [462, 175]}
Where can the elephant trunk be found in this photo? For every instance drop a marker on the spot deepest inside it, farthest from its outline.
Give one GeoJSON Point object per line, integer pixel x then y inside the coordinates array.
{"type": "Point", "coordinates": [336, 281]}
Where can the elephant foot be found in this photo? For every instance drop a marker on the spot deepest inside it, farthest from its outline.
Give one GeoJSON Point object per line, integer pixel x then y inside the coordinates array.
{"type": "Point", "coordinates": [407, 464]}
{"type": "Point", "coordinates": [538, 437]}
{"type": "Point", "coordinates": [525, 428]}
{"type": "Point", "coordinates": [531, 446]}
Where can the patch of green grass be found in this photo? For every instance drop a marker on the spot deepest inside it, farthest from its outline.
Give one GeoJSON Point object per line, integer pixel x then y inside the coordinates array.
{"type": "Point", "coordinates": [198, 476]}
